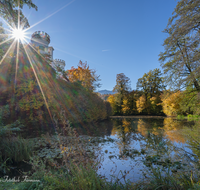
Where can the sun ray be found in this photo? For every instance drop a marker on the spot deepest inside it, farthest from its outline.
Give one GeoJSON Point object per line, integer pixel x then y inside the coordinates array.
{"type": "Point", "coordinates": [18, 15]}
{"type": "Point", "coordinates": [17, 62]}
{"type": "Point", "coordinates": [6, 35]}
{"type": "Point", "coordinates": [17, 57]}
{"type": "Point", "coordinates": [6, 41]}
{"type": "Point", "coordinates": [35, 40]}
{"type": "Point", "coordinates": [52, 84]}
{"type": "Point", "coordinates": [38, 82]}
{"type": "Point", "coordinates": [76, 56]}
{"type": "Point", "coordinates": [7, 24]}
{"type": "Point", "coordinates": [49, 15]}
{"type": "Point", "coordinates": [5, 55]}
{"type": "Point", "coordinates": [5, 28]}
{"type": "Point", "coordinates": [34, 48]}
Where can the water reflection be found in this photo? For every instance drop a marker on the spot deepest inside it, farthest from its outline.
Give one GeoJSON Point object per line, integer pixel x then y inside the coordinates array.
{"type": "Point", "coordinates": [123, 130]}
{"type": "Point", "coordinates": [143, 142]}
{"type": "Point", "coordinates": [173, 130]}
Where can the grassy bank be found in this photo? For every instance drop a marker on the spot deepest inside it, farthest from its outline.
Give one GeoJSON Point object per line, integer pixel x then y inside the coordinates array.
{"type": "Point", "coordinates": [189, 117]}
{"type": "Point", "coordinates": [85, 177]}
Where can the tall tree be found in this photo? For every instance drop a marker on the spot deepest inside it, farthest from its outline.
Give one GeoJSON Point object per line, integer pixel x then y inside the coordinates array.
{"type": "Point", "coordinates": [151, 84]}
{"type": "Point", "coordinates": [180, 60]}
{"type": "Point", "coordinates": [122, 88]}
{"type": "Point", "coordinates": [123, 84]}
{"type": "Point", "coordinates": [85, 75]}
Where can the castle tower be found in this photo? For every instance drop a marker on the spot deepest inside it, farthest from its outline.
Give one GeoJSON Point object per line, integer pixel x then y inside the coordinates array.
{"type": "Point", "coordinates": [50, 51]}
{"type": "Point", "coordinates": [60, 63]}
{"type": "Point", "coordinates": [41, 40]}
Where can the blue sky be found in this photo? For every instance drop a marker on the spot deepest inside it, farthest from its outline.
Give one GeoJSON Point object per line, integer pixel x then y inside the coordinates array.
{"type": "Point", "coordinates": [113, 36]}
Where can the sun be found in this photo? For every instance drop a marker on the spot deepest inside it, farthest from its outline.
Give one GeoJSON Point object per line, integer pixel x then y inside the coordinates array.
{"type": "Point", "coordinates": [18, 34]}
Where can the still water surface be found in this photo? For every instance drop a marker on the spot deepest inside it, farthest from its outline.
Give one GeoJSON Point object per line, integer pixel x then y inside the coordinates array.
{"type": "Point", "coordinates": [136, 144]}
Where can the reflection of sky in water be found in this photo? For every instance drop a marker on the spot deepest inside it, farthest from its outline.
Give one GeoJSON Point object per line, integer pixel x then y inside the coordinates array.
{"type": "Point", "coordinates": [112, 160]}
{"type": "Point", "coordinates": [114, 165]}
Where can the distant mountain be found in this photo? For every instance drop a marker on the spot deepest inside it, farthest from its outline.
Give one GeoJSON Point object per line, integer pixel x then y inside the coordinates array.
{"type": "Point", "coordinates": [106, 92]}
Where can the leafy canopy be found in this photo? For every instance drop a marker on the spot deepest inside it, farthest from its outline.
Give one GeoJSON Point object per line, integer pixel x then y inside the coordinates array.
{"type": "Point", "coordinates": [85, 75]}
{"type": "Point", "coordinates": [122, 84]}
{"type": "Point", "coordinates": [9, 10]}
{"type": "Point", "coordinates": [151, 82]}
{"type": "Point", "coordinates": [180, 60]}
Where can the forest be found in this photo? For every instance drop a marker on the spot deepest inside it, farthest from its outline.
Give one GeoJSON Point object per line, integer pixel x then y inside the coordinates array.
{"type": "Point", "coordinates": [153, 98]}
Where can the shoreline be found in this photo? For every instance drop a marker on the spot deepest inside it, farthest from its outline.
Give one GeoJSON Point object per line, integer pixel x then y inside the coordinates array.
{"type": "Point", "coordinates": [139, 116]}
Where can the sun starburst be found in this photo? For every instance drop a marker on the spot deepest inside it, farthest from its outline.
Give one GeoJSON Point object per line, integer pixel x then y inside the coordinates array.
{"type": "Point", "coordinates": [18, 34]}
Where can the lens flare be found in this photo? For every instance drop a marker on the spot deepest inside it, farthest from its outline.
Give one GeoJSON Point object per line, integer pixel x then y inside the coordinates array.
{"type": "Point", "coordinates": [18, 34]}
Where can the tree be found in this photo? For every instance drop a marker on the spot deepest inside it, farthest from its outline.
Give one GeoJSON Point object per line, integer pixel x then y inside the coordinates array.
{"type": "Point", "coordinates": [141, 103]}
{"type": "Point", "coordinates": [129, 103]}
{"type": "Point", "coordinates": [122, 88]}
{"type": "Point", "coordinates": [85, 75]}
{"type": "Point", "coordinates": [180, 60]}
{"type": "Point", "coordinates": [9, 10]}
{"type": "Point", "coordinates": [171, 103]}
{"type": "Point", "coordinates": [122, 84]}
{"type": "Point", "coordinates": [111, 100]}
{"type": "Point", "coordinates": [190, 102]}
{"type": "Point", "coordinates": [151, 84]}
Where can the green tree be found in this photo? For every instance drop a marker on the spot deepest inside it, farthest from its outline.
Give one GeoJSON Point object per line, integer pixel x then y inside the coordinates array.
{"type": "Point", "coordinates": [180, 60]}
{"type": "Point", "coordinates": [190, 101]}
{"type": "Point", "coordinates": [151, 84]}
{"type": "Point", "coordinates": [122, 88]}
{"type": "Point", "coordinates": [9, 10]}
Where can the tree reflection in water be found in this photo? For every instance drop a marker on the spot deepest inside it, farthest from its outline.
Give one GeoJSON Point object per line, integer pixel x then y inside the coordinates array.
{"type": "Point", "coordinates": [125, 131]}
{"type": "Point", "coordinates": [155, 136]}
{"type": "Point", "coordinates": [153, 142]}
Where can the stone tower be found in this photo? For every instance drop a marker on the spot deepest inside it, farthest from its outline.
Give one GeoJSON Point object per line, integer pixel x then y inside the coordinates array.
{"type": "Point", "coordinates": [41, 41]}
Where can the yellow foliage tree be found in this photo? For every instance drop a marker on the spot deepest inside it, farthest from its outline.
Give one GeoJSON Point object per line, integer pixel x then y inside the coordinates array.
{"type": "Point", "coordinates": [111, 100]}
{"type": "Point", "coordinates": [141, 103]}
{"type": "Point", "coordinates": [125, 106]}
{"type": "Point", "coordinates": [85, 75]}
{"type": "Point", "coordinates": [171, 103]}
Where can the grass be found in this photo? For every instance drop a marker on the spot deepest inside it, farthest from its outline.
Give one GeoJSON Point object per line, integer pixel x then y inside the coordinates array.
{"type": "Point", "coordinates": [193, 117]}
{"type": "Point", "coordinates": [181, 117]}
{"type": "Point", "coordinates": [12, 151]}
{"type": "Point", "coordinates": [79, 177]}
{"type": "Point", "coordinates": [16, 149]}
{"type": "Point", "coordinates": [73, 178]}
{"type": "Point", "coordinates": [189, 117]}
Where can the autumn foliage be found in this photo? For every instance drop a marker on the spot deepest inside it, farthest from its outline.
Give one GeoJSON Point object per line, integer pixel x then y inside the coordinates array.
{"type": "Point", "coordinates": [152, 98]}
{"type": "Point", "coordinates": [85, 75]}
{"type": "Point", "coordinates": [37, 100]}
{"type": "Point", "coordinates": [171, 103]}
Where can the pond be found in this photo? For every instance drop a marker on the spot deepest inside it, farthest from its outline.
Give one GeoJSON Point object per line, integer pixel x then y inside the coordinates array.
{"type": "Point", "coordinates": [136, 144]}
{"type": "Point", "coordinates": [128, 148]}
